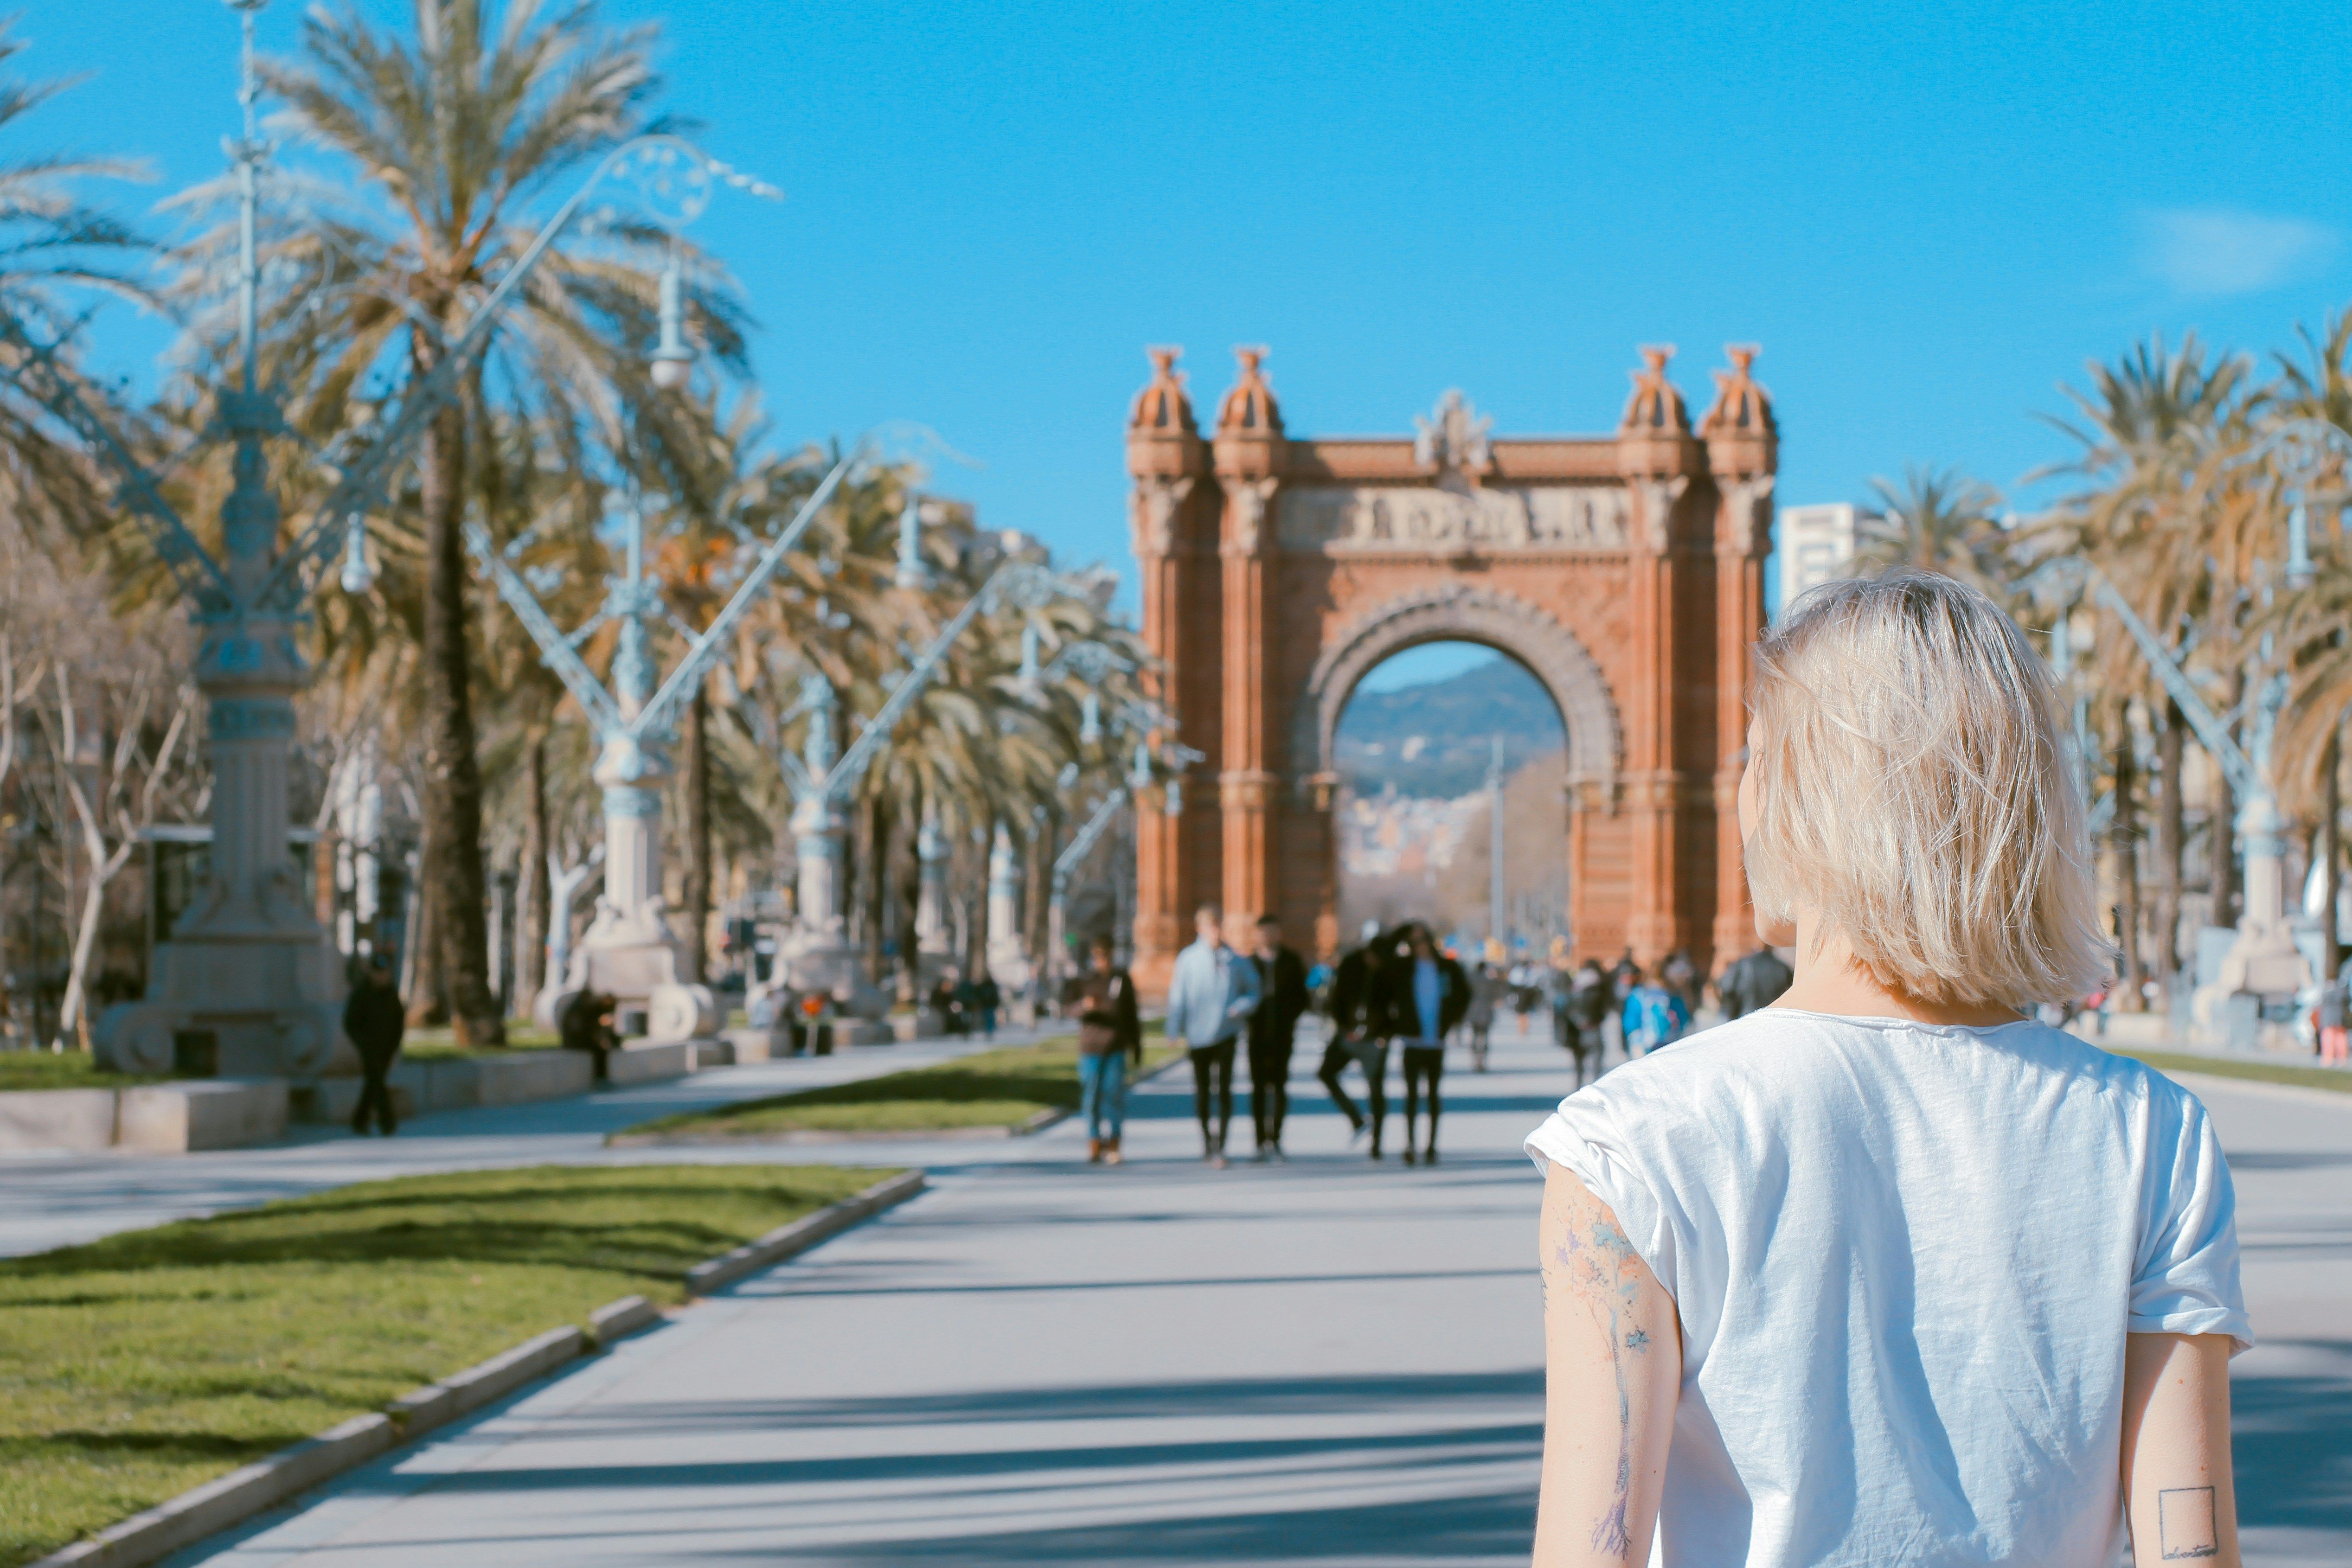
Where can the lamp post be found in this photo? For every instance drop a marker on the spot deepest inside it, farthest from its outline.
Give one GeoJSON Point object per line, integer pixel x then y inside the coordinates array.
{"type": "Point", "coordinates": [249, 965]}
{"type": "Point", "coordinates": [628, 951]}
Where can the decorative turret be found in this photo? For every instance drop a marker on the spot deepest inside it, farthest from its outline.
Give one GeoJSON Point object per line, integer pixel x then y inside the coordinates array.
{"type": "Point", "coordinates": [1161, 439]}
{"type": "Point", "coordinates": [1741, 435]}
{"type": "Point", "coordinates": [1249, 423]}
{"type": "Point", "coordinates": [1656, 408]}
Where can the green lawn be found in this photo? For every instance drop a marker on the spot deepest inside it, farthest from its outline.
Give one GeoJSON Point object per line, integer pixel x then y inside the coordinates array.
{"type": "Point", "coordinates": [61, 1070]}
{"type": "Point", "coordinates": [441, 1044]}
{"type": "Point", "coordinates": [2334, 1078]}
{"type": "Point", "coordinates": [135, 1367]}
{"type": "Point", "coordinates": [991, 1088]}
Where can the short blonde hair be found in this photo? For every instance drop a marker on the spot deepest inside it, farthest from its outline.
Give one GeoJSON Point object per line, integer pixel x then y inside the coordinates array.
{"type": "Point", "coordinates": [1912, 792]}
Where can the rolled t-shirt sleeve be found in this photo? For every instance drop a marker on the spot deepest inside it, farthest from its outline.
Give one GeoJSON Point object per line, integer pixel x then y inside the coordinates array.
{"type": "Point", "coordinates": [2187, 1280]}
{"type": "Point", "coordinates": [1582, 1136]}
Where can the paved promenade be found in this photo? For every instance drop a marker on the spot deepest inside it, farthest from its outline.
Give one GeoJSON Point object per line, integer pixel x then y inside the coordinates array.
{"type": "Point", "coordinates": [1042, 1361]}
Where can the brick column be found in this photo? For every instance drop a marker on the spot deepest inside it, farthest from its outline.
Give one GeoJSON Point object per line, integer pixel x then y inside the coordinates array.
{"type": "Point", "coordinates": [1743, 453]}
{"type": "Point", "coordinates": [1166, 460]}
{"type": "Point", "coordinates": [1660, 459]}
{"type": "Point", "coordinates": [1249, 459]}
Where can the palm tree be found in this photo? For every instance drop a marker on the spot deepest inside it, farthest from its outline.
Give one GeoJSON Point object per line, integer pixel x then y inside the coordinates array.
{"type": "Point", "coordinates": [54, 247]}
{"type": "Point", "coordinates": [452, 137]}
{"type": "Point", "coordinates": [1938, 520]}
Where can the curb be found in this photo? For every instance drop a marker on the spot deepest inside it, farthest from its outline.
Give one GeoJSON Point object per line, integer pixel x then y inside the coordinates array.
{"type": "Point", "coordinates": [787, 1240]}
{"type": "Point", "coordinates": [229, 1500]}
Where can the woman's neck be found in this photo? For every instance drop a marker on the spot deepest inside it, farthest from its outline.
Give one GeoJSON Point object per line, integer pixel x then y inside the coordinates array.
{"type": "Point", "coordinates": [1829, 981]}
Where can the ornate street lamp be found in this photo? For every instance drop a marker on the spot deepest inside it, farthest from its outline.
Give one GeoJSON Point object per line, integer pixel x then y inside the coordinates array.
{"type": "Point", "coordinates": [249, 965]}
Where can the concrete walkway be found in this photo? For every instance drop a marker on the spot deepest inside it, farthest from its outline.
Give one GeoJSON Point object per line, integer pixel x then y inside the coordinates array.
{"type": "Point", "coordinates": [1327, 1362]}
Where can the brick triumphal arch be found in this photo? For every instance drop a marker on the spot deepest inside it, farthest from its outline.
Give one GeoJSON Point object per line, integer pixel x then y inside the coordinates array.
{"type": "Point", "coordinates": [1625, 570]}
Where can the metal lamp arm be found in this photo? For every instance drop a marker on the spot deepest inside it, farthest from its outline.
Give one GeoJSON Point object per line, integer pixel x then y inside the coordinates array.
{"type": "Point", "coordinates": [359, 489]}
{"type": "Point", "coordinates": [555, 648]}
{"type": "Point", "coordinates": [707, 647]}
{"type": "Point", "coordinates": [1097, 825]}
{"type": "Point", "coordinates": [198, 573]}
{"type": "Point", "coordinates": [854, 761]}
{"type": "Point", "coordinates": [2244, 777]}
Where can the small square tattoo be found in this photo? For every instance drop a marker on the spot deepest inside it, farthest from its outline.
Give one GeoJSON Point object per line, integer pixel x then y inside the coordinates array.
{"type": "Point", "coordinates": [2184, 1523]}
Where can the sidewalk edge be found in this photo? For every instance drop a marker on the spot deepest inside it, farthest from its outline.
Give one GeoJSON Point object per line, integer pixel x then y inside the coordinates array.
{"type": "Point", "coordinates": [226, 1500]}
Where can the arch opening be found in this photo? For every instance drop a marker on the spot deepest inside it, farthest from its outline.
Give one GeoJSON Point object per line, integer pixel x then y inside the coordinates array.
{"type": "Point", "coordinates": [1434, 745]}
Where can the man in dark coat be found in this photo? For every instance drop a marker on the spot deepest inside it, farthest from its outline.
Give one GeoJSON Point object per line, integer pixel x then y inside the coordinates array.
{"type": "Point", "coordinates": [1753, 983]}
{"type": "Point", "coordinates": [587, 1025]}
{"type": "Point", "coordinates": [1356, 1032]}
{"type": "Point", "coordinates": [373, 1020]}
{"type": "Point", "coordinates": [1423, 994]}
{"type": "Point", "coordinates": [1282, 983]}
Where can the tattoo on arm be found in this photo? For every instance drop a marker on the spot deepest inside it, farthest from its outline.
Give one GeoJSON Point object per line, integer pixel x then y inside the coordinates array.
{"type": "Point", "coordinates": [2184, 1523]}
{"type": "Point", "coordinates": [1598, 1268]}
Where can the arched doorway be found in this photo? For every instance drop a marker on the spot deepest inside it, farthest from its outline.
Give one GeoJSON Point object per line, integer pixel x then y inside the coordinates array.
{"type": "Point", "coordinates": [1625, 571]}
{"type": "Point", "coordinates": [1450, 807]}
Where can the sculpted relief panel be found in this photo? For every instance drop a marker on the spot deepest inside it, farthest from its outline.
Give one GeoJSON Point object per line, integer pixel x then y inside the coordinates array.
{"type": "Point", "coordinates": [1339, 518]}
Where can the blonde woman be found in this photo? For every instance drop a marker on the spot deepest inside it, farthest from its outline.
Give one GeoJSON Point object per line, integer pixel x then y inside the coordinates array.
{"type": "Point", "coordinates": [1885, 1273]}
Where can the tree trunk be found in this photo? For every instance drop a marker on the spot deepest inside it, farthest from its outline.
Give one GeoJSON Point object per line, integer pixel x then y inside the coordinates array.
{"type": "Point", "coordinates": [2125, 839]}
{"type": "Point", "coordinates": [2331, 881]}
{"type": "Point", "coordinates": [695, 894]}
{"type": "Point", "coordinates": [453, 775]}
{"type": "Point", "coordinates": [2221, 831]}
{"type": "Point", "coordinates": [911, 897]}
{"type": "Point", "coordinates": [428, 993]}
{"type": "Point", "coordinates": [877, 885]}
{"type": "Point", "coordinates": [2171, 836]}
{"type": "Point", "coordinates": [530, 920]}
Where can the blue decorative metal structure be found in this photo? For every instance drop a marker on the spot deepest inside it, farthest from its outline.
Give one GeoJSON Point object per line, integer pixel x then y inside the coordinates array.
{"type": "Point", "coordinates": [628, 951]}
{"type": "Point", "coordinates": [249, 965]}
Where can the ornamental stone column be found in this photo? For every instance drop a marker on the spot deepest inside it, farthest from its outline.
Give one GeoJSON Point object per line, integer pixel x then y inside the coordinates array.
{"type": "Point", "coordinates": [1660, 460]}
{"type": "Point", "coordinates": [1743, 453]}
{"type": "Point", "coordinates": [1167, 462]}
{"type": "Point", "coordinates": [1250, 454]}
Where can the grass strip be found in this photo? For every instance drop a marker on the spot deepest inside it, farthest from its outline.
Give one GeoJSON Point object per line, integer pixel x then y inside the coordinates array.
{"type": "Point", "coordinates": [991, 1089]}
{"type": "Point", "coordinates": [63, 1069]}
{"type": "Point", "coordinates": [136, 1367]}
{"type": "Point", "coordinates": [2334, 1078]}
{"type": "Point", "coordinates": [441, 1044]}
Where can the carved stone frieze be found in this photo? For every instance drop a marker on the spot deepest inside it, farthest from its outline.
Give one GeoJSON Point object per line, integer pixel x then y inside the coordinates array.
{"type": "Point", "coordinates": [1249, 506]}
{"type": "Point", "coordinates": [1157, 502]}
{"type": "Point", "coordinates": [1746, 517]}
{"type": "Point", "coordinates": [1339, 518]}
{"type": "Point", "coordinates": [1659, 499]}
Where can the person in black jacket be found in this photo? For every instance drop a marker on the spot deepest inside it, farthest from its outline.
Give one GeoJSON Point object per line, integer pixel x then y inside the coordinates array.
{"type": "Point", "coordinates": [1425, 995]}
{"type": "Point", "coordinates": [1753, 984]}
{"type": "Point", "coordinates": [373, 1020]}
{"type": "Point", "coordinates": [1282, 983]}
{"type": "Point", "coordinates": [1358, 1032]}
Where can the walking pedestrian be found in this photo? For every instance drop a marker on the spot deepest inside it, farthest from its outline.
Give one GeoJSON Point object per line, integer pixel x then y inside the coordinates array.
{"type": "Point", "coordinates": [373, 1020]}
{"type": "Point", "coordinates": [1273, 1031]}
{"type": "Point", "coordinates": [986, 998]}
{"type": "Point", "coordinates": [1485, 991]}
{"type": "Point", "coordinates": [1210, 998]}
{"type": "Point", "coordinates": [1753, 984]}
{"type": "Point", "coordinates": [1887, 1272]}
{"type": "Point", "coordinates": [2335, 1012]}
{"type": "Point", "coordinates": [1358, 1033]}
{"type": "Point", "coordinates": [1654, 1015]}
{"type": "Point", "coordinates": [946, 999]}
{"type": "Point", "coordinates": [1427, 993]}
{"type": "Point", "coordinates": [1107, 997]}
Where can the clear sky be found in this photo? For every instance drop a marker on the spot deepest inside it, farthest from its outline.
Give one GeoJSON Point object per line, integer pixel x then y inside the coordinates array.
{"type": "Point", "coordinates": [1928, 216]}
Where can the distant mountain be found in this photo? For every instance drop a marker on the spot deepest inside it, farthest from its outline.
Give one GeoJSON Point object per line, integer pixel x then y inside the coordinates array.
{"type": "Point", "coordinates": [1437, 739]}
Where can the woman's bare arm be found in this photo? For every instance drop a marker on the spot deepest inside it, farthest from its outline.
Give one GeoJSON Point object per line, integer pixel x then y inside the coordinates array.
{"type": "Point", "coordinates": [1612, 1359]}
{"type": "Point", "coordinates": [2178, 1489]}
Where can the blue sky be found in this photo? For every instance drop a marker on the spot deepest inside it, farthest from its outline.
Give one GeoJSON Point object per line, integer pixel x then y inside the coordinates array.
{"type": "Point", "coordinates": [1928, 217]}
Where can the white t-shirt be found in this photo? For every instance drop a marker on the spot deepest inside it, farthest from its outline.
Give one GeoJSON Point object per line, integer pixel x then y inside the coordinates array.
{"type": "Point", "coordinates": [1905, 1257]}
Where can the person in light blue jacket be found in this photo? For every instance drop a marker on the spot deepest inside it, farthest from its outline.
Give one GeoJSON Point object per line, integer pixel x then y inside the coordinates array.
{"type": "Point", "coordinates": [1210, 998]}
